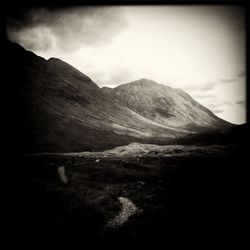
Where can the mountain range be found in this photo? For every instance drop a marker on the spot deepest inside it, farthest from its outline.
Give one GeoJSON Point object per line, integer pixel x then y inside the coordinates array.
{"type": "Point", "coordinates": [60, 109]}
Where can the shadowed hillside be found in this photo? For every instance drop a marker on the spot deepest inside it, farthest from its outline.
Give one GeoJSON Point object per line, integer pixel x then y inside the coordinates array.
{"type": "Point", "coordinates": [139, 190]}
{"type": "Point", "coordinates": [59, 109]}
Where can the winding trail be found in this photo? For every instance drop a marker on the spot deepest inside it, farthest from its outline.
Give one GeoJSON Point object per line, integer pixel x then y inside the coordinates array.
{"type": "Point", "coordinates": [128, 209]}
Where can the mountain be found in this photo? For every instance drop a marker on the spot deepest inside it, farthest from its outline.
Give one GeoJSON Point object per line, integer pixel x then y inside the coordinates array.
{"type": "Point", "coordinates": [56, 108]}
{"type": "Point", "coordinates": [165, 105]}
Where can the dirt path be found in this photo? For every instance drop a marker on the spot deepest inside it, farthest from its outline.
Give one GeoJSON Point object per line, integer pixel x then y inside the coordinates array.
{"type": "Point", "coordinates": [128, 209]}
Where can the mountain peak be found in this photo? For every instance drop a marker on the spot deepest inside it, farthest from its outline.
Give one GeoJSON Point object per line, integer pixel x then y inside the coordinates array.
{"type": "Point", "coordinates": [67, 111]}
{"type": "Point", "coordinates": [144, 81]}
{"type": "Point", "coordinates": [165, 105]}
{"type": "Point", "coordinates": [67, 71]}
{"type": "Point", "coordinates": [54, 59]}
{"type": "Point", "coordinates": [140, 83]}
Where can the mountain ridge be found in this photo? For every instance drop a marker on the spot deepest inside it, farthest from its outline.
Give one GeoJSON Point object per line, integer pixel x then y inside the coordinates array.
{"type": "Point", "coordinates": [161, 103]}
{"type": "Point", "coordinates": [60, 109]}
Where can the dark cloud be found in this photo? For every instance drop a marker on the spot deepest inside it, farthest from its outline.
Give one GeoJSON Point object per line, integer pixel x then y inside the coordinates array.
{"type": "Point", "coordinates": [228, 80]}
{"type": "Point", "coordinates": [231, 16]}
{"type": "Point", "coordinates": [65, 28]}
{"type": "Point", "coordinates": [241, 103]}
{"type": "Point", "coordinates": [242, 73]}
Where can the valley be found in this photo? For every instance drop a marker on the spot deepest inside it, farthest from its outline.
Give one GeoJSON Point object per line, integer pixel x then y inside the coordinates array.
{"type": "Point", "coordinates": [60, 109]}
{"type": "Point", "coordinates": [163, 185]}
{"type": "Point", "coordinates": [128, 163]}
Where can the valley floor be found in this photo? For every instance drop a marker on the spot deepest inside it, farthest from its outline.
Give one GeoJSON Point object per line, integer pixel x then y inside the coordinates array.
{"type": "Point", "coordinates": [132, 192]}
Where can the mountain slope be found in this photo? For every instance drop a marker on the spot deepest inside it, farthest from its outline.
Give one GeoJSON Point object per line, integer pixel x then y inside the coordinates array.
{"type": "Point", "coordinates": [60, 109]}
{"type": "Point", "coordinates": [165, 105]}
{"type": "Point", "coordinates": [56, 108]}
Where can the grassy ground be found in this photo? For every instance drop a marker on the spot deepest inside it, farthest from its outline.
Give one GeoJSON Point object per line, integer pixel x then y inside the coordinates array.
{"type": "Point", "coordinates": [175, 190]}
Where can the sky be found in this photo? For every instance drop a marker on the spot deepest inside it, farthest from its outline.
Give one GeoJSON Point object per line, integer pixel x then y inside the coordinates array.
{"type": "Point", "coordinates": [200, 49]}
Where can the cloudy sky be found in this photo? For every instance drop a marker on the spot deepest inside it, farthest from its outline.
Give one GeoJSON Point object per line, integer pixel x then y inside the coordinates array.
{"type": "Point", "coordinates": [200, 49]}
